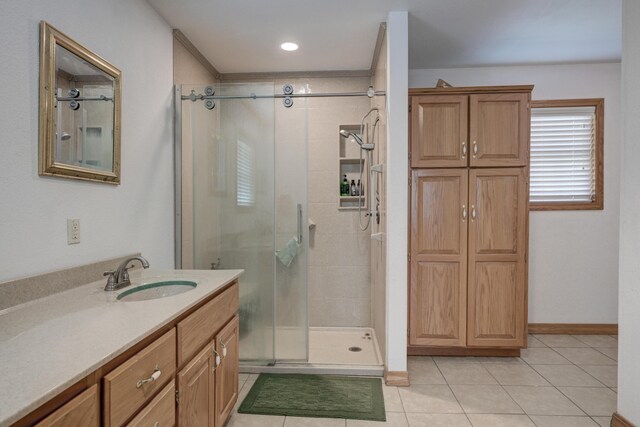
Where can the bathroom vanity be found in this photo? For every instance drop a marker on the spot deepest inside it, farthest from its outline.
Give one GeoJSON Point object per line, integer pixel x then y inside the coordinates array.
{"type": "Point", "coordinates": [84, 358]}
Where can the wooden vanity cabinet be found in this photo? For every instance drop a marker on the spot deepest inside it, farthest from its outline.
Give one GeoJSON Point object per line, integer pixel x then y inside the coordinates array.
{"type": "Point", "coordinates": [469, 218]}
{"type": "Point", "coordinates": [184, 374]}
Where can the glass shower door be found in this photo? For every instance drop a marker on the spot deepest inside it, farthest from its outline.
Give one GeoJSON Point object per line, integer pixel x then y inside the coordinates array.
{"type": "Point", "coordinates": [248, 202]}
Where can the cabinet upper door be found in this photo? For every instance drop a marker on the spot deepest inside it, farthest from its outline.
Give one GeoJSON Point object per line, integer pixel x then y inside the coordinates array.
{"type": "Point", "coordinates": [497, 257]}
{"type": "Point", "coordinates": [499, 129]}
{"type": "Point", "coordinates": [439, 131]}
{"type": "Point", "coordinates": [227, 372]}
{"type": "Point", "coordinates": [196, 390]}
{"type": "Point", "coordinates": [439, 216]}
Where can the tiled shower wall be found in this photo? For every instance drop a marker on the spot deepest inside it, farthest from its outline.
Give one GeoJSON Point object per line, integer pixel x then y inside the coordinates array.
{"type": "Point", "coordinates": [339, 279]}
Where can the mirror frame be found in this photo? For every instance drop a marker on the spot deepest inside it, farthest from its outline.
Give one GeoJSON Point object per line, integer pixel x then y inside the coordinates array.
{"type": "Point", "coordinates": [47, 165]}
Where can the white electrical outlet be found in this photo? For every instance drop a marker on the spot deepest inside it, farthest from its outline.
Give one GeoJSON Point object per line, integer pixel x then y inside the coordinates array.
{"type": "Point", "coordinates": [73, 231]}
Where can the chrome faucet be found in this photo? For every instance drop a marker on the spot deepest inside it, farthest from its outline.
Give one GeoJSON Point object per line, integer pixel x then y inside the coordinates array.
{"type": "Point", "coordinates": [119, 278]}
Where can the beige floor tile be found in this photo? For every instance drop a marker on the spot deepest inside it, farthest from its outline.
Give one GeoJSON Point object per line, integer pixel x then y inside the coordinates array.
{"type": "Point", "coordinates": [542, 401]}
{"type": "Point", "coordinates": [598, 340]}
{"type": "Point", "coordinates": [611, 352]}
{"type": "Point", "coordinates": [585, 356]}
{"type": "Point", "coordinates": [597, 402]}
{"type": "Point", "coordinates": [244, 390]}
{"type": "Point", "coordinates": [499, 420]}
{"type": "Point", "coordinates": [542, 356]}
{"type": "Point", "coordinates": [394, 419]}
{"type": "Point", "coordinates": [534, 342]}
{"type": "Point", "coordinates": [606, 374]}
{"type": "Point", "coordinates": [500, 360]}
{"type": "Point", "coordinates": [556, 421]}
{"type": "Point", "coordinates": [250, 420]}
{"type": "Point", "coordinates": [454, 359]}
{"type": "Point", "coordinates": [615, 389]}
{"type": "Point", "coordinates": [313, 422]}
{"type": "Point", "coordinates": [431, 399]}
{"type": "Point", "coordinates": [392, 402]}
{"type": "Point", "coordinates": [603, 421]}
{"type": "Point", "coordinates": [438, 420]}
{"type": "Point", "coordinates": [242, 377]}
{"type": "Point", "coordinates": [423, 370]}
{"type": "Point", "coordinates": [466, 373]}
{"type": "Point", "coordinates": [485, 399]}
{"type": "Point", "coordinates": [566, 375]}
{"type": "Point", "coordinates": [516, 374]}
{"type": "Point", "coordinates": [561, 341]}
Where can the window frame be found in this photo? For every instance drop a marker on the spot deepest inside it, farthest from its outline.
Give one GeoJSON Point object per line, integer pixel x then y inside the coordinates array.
{"type": "Point", "coordinates": [598, 203]}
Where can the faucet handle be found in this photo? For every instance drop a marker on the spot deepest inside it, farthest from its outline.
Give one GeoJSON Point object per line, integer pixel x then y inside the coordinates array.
{"type": "Point", "coordinates": [111, 280]}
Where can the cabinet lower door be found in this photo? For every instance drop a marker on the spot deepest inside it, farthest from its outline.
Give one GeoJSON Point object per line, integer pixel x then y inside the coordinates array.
{"type": "Point", "coordinates": [227, 372]}
{"type": "Point", "coordinates": [498, 200]}
{"type": "Point", "coordinates": [439, 131]}
{"type": "Point", "coordinates": [196, 390]}
{"type": "Point", "coordinates": [499, 128]}
{"type": "Point", "coordinates": [439, 216]}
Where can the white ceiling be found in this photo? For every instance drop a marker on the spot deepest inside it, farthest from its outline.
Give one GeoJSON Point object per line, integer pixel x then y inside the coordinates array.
{"type": "Point", "coordinates": [241, 36]}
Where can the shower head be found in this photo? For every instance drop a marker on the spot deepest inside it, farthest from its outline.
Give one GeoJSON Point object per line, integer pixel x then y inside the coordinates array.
{"type": "Point", "coordinates": [357, 139]}
{"type": "Point", "coordinates": [355, 136]}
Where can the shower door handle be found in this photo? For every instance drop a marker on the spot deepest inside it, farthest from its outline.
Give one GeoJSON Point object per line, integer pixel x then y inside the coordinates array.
{"type": "Point", "coordinates": [299, 223]}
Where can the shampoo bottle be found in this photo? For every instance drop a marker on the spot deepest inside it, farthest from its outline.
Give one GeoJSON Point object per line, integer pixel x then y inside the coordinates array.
{"type": "Point", "coordinates": [353, 188]}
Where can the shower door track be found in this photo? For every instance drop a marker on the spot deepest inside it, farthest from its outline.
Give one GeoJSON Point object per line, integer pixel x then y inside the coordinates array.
{"type": "Point", "coordinates": [193, 97]}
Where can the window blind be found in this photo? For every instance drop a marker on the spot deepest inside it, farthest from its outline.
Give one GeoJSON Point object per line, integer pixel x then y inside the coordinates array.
{"type": "Point", "coordinates": [563, 167]}
{"type": "Point", "coordinates": [245, 182]}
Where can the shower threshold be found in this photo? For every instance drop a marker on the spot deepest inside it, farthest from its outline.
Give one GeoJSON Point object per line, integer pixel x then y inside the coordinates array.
{"type": "Point", "coordinates": [333, 351]}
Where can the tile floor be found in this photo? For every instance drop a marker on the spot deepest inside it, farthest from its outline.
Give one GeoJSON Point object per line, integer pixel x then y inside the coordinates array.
{"type": "Point", "coordinates": [559, 381]}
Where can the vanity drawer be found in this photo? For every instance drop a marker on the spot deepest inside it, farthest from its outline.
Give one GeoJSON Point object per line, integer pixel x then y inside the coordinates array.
{"type": "Point", "coordinates": [198, 329]}
{"type": "Point", "coordinates": [124, 389]}
{"type": "Point", "coordinates": [160, 412]}
{"type": "Point", "coordinates": [82, 410]}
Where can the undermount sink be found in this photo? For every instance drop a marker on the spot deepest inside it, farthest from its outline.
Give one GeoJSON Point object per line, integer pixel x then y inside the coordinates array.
{"type": "Point", "coordinates": [155, 290]}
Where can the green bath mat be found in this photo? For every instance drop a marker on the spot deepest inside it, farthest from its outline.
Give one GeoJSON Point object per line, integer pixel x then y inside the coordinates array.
{"type": "Point", "coordinates": [316, 396]}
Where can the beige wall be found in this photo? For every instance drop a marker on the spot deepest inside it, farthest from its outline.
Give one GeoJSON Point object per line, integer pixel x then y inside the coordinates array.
{"type": "Point", "coordinates": [378, 247]}
{"type": "Point", "coordinates": [188, 70]}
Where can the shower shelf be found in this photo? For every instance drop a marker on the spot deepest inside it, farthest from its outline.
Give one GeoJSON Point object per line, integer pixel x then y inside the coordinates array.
{"type": "Point", "coordinates": [349, 164]}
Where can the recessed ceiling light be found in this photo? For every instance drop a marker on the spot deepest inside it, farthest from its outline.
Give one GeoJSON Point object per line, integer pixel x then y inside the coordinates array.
{"type": "Point", "coordinates": [289, 47]}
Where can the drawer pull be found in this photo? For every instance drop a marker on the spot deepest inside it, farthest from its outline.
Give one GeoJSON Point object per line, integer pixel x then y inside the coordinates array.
{"type": "Point", "coordinates": [152, 378]}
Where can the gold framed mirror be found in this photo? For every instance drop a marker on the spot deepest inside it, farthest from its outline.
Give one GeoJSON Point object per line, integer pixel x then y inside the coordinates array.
{"type": "Point", "coordinates": [79, 115]}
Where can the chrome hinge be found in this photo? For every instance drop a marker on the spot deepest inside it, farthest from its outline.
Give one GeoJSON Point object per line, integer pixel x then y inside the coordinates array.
{"type": "Point", "coordinates": [177, 395]}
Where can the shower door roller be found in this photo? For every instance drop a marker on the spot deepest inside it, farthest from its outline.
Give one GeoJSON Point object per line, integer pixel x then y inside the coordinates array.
{"type": "Point", "coordinates": [287, 101]}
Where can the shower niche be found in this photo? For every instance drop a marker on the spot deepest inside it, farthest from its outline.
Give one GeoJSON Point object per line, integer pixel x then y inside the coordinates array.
{"type": "Point", "coordinates": [350, 163]}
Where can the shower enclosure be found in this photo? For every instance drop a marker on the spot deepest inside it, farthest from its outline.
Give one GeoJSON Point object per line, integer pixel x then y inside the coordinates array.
{"type": "Point", "coordinates": [242, 184]}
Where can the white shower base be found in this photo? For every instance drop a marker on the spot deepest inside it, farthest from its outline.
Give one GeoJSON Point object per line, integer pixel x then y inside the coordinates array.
{"type": "Point", "coordinates": [329, 354]}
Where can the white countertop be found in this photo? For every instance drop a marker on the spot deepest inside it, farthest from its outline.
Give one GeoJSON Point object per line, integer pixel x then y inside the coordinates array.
{"type": "Point", "coordinates": [49, 344]}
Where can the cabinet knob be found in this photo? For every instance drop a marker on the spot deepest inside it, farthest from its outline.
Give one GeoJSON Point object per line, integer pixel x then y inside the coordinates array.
{"type": "Point", "coordinates": [464, 149]}
{"type": "Point", "coordinates": [473, 212]}
{"type": "Point", "coordinates": [217, 360]}
{"type": "Point", "coordinates": [475, 149]}
{"type": "Point", "coordinates": [464, 213]}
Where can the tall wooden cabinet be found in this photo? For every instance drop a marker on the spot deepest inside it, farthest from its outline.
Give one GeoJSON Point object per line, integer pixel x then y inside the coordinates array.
{"type": "Point", "coordinates": [469, 158]}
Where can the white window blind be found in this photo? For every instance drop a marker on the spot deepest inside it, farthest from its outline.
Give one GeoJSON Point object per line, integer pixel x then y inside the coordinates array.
{"type": "Point", "coordinates": [245, 179]}
{"type": "Point", "coordinates": [563, 166]}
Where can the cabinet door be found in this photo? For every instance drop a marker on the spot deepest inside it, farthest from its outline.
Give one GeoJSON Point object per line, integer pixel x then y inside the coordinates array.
{"type": "Point", "coordinates": [196, 390]}
{"type": "Point", "coordinates": [439, 216]}
{"type": "Point", "coordinates": [83, 410]}
{"type": "Point", "coordinates": [497, 257]}
{"type": "Point", "coordinates": [439, 131]}
{"type": "Point", "coordinates": [227, 372]}
{"type": "Point", "coordinates": [499, 129]}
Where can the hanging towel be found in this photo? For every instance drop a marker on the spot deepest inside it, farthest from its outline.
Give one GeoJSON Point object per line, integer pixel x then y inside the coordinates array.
{"type": "Point", "coordinates": [289, 252]}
